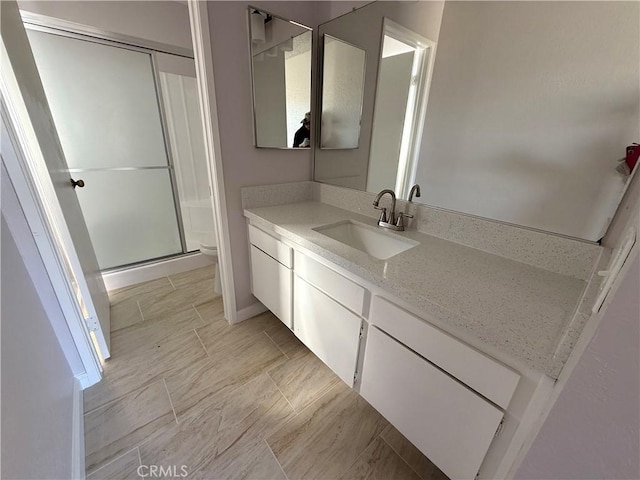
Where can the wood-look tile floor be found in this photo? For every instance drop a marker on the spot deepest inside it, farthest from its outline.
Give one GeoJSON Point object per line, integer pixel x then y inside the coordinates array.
{"type": "Point", "coordinates": [186, 393]}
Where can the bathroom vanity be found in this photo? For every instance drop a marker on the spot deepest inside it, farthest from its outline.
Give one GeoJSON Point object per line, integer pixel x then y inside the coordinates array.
{"type": "Point", "coordinates": [457, 347]}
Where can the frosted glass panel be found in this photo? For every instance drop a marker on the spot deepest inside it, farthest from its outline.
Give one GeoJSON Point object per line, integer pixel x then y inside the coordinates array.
{"type": "Point", "coordinates": [342, 88]}
{"type": "Point", "coordinates": [103, 100]}
{"type": "Point", "coordinates": [130, 215]}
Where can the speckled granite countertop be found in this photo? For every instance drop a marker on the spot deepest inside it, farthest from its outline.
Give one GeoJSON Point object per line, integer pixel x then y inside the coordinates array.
{"type": "Point", "coordinates": [519, 309]}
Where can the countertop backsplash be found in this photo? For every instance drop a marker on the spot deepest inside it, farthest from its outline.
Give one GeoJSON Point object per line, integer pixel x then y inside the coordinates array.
{"type": "Point", "coordinates": [566, 256]}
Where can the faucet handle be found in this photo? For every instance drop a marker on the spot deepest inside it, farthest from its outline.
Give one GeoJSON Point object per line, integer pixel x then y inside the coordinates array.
{"type": "Point", "coordinates": [400, 221]}
{"type": "Point", "coordinates": [383, 214]}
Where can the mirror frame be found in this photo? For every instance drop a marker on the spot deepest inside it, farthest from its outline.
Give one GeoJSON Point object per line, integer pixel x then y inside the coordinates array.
{"type": "Point", "coordinates": [250, 9]}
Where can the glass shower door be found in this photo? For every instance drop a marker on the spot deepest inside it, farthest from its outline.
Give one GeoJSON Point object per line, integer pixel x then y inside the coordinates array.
{"type": "Point", "coordinates": [105, 105]}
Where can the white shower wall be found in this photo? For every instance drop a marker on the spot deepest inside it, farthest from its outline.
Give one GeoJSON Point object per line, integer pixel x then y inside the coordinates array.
{"type": "Point", "coordinates": [182, 111]}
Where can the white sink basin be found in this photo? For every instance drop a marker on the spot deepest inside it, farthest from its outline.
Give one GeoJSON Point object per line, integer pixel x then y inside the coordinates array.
{"type": "Point", "coordinates": [372, 240]}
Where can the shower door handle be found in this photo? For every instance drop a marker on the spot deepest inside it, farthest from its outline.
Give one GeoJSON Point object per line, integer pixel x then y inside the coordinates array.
{"type": "Point", "coordinates": [77, 183]}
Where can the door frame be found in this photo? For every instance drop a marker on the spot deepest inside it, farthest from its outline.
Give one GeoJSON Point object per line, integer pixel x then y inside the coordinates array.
{"type": "Point", "coordinates": [202, 56]}
{"type": "Point", "coordinates": [24, 185]}
{"type": "Point", "coordinates": [422, 71]}
{"type": "Point", "coordinates": [199, 19]}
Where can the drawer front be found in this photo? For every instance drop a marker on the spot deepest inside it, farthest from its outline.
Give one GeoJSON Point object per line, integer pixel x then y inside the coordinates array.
{"type": "Point", "coordinates": [344, 291]}
{"type": "Point", "coordinates": [449, 423]}
{"type": "Point", "coordinates": [271, 245]}
{"type": "Point", "coordinates": [327, 328]}
{"type": "Point", "coordinates": [485, 375]}
{"type": "Point", "coordinates": [271, 284]}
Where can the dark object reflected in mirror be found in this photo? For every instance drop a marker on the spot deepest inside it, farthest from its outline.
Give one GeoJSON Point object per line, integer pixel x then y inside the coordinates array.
{"type": "Point", "coordinates": [302, 137]}
{"type": "Point", "coordinates": [281, 80]}
{"type": "Point", "coordinates": [343, 68]}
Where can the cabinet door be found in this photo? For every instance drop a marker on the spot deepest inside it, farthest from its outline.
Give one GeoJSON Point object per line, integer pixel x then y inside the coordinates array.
{"type": "Point", "coordinates": [329, 330]}
{"type": "Point", "coordinates": [271, 284]}
{"type": "Point", "coordinates": [452, 425]}
{"type": "Point", "coordinates": [485, 375]}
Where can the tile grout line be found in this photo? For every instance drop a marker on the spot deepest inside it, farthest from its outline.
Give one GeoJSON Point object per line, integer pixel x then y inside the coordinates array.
{"type": "Point", "coordinates": [278, 346]}
{"type": "Point", "coordinates": [202, 343]}
{"type": "Point", "coordinates": [109, 463]}
{"type": "Point", "coordinates": [204, 324]}
{"type": "Point", "coordinates": [142, 443]}
{"type": "Point", "coordinates": [282, 393]}
{"type": "Point", "coordinates": [321, 393]}
{"type": "Point", "coordinates": [110, 402]}
{"type": "Point", "coordinates": [170, 401]}
{"type": "Point", "coordinates": [360, 455]}
{"type": "Point", "coordinates": [320, 396]}
{"type": "Point", "coordinates": [398, 453]}
{"type": "Point", "coordinates": [140, 309]}
{"type": "Point", "coordinates": [378, 437]}
{"type": "Point", "coordinates": [169, 278]}
{"type": "Point", "coordinates": [276, 459]}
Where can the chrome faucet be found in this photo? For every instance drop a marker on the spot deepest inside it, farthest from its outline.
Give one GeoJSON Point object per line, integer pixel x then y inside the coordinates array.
{"type": "Point", "coordinates": [389, 222]}
{"type": "Point", "coordinates": [415, 189]}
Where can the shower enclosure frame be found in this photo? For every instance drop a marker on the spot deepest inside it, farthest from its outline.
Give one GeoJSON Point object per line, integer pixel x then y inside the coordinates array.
{"type": "Point", "coordinates": [63, 28]}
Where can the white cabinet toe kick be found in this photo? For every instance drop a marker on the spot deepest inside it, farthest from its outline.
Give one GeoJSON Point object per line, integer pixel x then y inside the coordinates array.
{"type": "Point", "coordinates": [448, 398]}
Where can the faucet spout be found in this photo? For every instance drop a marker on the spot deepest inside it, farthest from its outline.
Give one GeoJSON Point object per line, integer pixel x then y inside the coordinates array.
{"type": "Point", "coordinates": [392, 214]}
{"type": "Point", "coordinates": [414, 190]}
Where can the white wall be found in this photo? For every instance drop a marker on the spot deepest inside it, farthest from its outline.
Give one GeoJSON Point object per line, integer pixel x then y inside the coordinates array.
{"type": "Point", "coordinates": [334, 9]}
{"type": "Point", "coordinates": [531, 105]}
{"type": "Point", "coordinates": [593, 429]}
{"type": "Point", "coordinates": [159, 21]}
{"type": "Point", "coordinates": [37, 381]}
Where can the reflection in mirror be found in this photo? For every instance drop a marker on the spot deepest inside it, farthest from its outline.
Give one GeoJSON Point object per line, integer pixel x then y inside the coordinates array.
{"type": "Point", "coordinates": [281, 76]}
{"type": "Point", "coordinates": [528, 112]}
{"type": "Point", "coordinates": [397, 120]}
{"type": "Point", "coordinates": [343, 67]}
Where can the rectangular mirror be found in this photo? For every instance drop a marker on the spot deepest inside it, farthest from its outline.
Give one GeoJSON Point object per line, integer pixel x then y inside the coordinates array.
{"type": "Point", "coordinates": [281, 80]}
{"type": "Point", "coordinates": [343, 68]}
{"type": "Point", "coordinates": [521, 114]}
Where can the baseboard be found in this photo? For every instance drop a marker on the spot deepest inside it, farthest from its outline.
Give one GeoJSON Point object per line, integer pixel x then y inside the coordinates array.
{"type": "Point", "coordinates": [250, 312]}
{"type": "Point", "coordinates": [85, 380]}
{"type": "Point", "coordinates": [77, 435]}
{"type": "Point", "coordinates": [144, 273]}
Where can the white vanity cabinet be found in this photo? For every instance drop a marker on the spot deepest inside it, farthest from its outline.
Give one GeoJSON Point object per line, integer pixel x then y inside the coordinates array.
{"type": "Point", "coordinates": [448, 422]}
{"type": "Point", "coordinates": [327, 328]}
{"type": "Point", "coordinates": [445, 397]}
{"type": "Point", "coordinates": [321, 306]}
{"type": "Point", "coordinates": [271, 275]}
{"type": "Point", "coordinates": [326, 315]}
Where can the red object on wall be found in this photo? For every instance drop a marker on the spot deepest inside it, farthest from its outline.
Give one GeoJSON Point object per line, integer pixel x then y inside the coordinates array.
{"type": "Point", "coordinates": [633, 152]}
